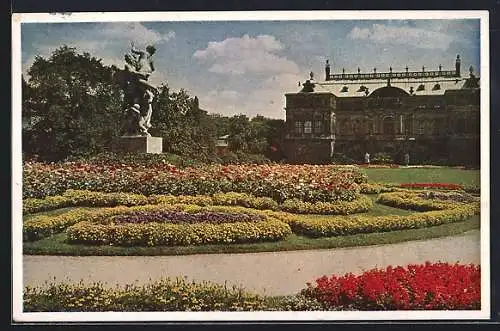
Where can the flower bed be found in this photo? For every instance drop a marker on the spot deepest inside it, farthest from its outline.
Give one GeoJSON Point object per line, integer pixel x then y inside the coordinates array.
{"type": "Point", "coordinates": [196, 226]}
{"type": "Point", "coordinates": [162, 295]}
{"type": "Point", "coordinates": [101, 223]}
{"type": "Point", "coordinates": [340, 226]}
{"type": "Point", "coordinates": [428, 186]}
{"type": "Point", "coordinates": [86, 198]}
{"type": "Point", "coordinates": [414, 201]}
{"type": "Point", "coordinates": [182, 217]}
{"type": "Point", "coordinates": [367, 188]}
{"type": "Point", "coordinates": [438, 286]}
{"type": "Point", "coordinates": [360, 205]}
{"type": "Point", "coordinates": [447, 196]}
{"type": "Point", "coordinates": [310, 183]}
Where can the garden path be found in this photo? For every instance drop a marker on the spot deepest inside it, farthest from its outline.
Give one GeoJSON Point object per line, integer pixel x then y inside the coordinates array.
{"type": "Point", "coordinates": [273, 273]}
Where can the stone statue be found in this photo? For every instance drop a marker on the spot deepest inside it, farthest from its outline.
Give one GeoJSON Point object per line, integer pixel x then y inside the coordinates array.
{"type": "Point", "coordinates": [139, 93]}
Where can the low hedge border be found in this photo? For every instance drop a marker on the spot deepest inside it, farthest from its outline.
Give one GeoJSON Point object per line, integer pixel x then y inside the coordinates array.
{"type": "Point", "coordinates": [412, 201]}
{"type": "Point", "coordinates": [163, 295]}
{"type": "Point", "coordinates": [72, 198]}
{"type": "Point", "coordinates": [165, 234]}
{"type": "Point", "coordinates": [360, 205]}
{"type": "Point", "coordinates": [44, 226]}
{"type": "Point", "coordinates": [339, 226]}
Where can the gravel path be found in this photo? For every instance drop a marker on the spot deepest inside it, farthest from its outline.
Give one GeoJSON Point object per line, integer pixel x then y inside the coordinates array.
{"type": "Point", "coordinates": [274, 273]}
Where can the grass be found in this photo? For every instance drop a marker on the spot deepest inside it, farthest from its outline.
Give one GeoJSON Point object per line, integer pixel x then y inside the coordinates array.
{"type": "Point", "coordinates": [56, 245]}
{"type": "Point", "coordinates": [421, 175]}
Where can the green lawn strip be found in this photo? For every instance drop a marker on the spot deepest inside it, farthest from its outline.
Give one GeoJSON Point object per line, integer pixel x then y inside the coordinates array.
{"type": "Point", "coordinates": [420, 175]}
{"type": "Point", "coordinates": [55, 245]}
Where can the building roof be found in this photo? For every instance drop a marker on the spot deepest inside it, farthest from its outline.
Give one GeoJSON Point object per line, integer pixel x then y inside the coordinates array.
{"type": "Point", "coordinates": [357, 88]}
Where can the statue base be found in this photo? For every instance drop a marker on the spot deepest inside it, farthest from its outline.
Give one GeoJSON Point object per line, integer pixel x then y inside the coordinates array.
{"type": "Point", "coordinates": [139, 144]}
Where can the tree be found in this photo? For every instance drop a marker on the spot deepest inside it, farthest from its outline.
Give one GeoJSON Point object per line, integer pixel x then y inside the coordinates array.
{"type": "Point", "coordinates": [77, 104]}
{"type": "Point", "coordinates": [187, 130]}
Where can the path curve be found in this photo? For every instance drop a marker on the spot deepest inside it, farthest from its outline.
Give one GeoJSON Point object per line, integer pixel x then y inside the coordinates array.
{"type": "Point", "coordinates": [273, 273]}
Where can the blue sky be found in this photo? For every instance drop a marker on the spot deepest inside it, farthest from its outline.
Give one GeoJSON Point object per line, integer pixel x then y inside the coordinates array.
{"type": "Point", "coordinates": [246, 67]}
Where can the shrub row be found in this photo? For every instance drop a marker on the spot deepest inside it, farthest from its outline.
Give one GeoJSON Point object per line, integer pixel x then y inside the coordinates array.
{"type": "Point", "coordinates": [339, 226]}
{"type": "Point", "coordinates": [85, 198]}
{"type": "Point", "coordinates": [438, 286]}
{"type": "Point", "coordinates": [165, 234]}
{"type": "Point", "coordinates": [162, 295]}
{"type": "Point", "coordinates": [413, 201]}
{"type": "Point", "coordinates": [360, 205]}
{"type": "Point", "coordinates": [43, 226]}
{"type": "Point", "coordinates": [182, 217]}
{"type": "Point", "coordinates": [369, 188]}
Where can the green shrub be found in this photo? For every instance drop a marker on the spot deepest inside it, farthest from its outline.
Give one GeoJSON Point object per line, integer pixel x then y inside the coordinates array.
{"type": "Point", "coordinates": [244, 200]}
{"type": "Point", "coordinates": [165, 234]}
{"type": "Point", "coordinates": [360, 205]}
{"type": "Point", "coordinates": [340, 226]}
{"type": "Point", "coordinates": [412, 201]}
{"type": "Point", "coordinates": [163, 295]}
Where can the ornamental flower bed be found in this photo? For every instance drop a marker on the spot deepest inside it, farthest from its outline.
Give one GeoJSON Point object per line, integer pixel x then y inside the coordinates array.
{"type": "Point", "coordinates": [310, 183]}
{"type": "Point", "coordinates": [426, 186]}
{"type": "Point", "coordinates": [162, 295]}
{"type": "Point", "coordinates": [181, 217]}
{"type": "Point", "coordinates": [430, 286]}
{"type": "Point", "coordinates": [171, 225]}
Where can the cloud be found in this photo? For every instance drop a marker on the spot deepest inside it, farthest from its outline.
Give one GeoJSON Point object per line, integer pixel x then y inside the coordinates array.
{"type": "Point", "coordinates": [245, 55]}
{"type": "Point", "coordinates": [102, 40]}
{"type": "Point", "coordinates": [402, 35]}
{"type": "Point", "coordinates": [267, 99]}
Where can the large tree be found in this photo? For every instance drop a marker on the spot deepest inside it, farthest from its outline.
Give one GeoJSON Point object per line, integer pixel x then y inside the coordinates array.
{"type": "Point", "coordinates": [76, 104]}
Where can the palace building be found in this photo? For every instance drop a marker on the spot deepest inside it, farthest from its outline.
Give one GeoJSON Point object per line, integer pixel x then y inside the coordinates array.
{"type": "Point", "coordinates": [433, 115]}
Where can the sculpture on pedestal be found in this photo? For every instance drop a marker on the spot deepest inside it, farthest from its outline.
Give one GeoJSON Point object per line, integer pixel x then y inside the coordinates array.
{"type": "Point", "coordinates": [139, 93]}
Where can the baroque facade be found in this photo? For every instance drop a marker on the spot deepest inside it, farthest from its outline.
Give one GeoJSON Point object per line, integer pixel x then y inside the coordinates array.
{"type": "Point", "coordinates": [433, 115]}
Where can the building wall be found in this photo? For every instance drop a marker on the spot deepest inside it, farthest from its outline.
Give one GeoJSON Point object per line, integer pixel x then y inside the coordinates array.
{"type": "Point", "coordinates": [436, 129]}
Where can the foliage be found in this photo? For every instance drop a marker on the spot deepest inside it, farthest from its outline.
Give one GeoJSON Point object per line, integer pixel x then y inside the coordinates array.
{"type": "Point", "coordinates": [279, 182]}
{"type": "Point", "coordinates": [72, 105]}
{"type": "Point", "coordinates": [429, 286]}
{"type": "Point", "coordinates": [426, 186]}
{"type": "Point", "coordinates": [42, 226]}
{"type": "Point", "coordinates": [413, 201]}
{"type": "Point", "coordinates": [162, 295]}
{"type": "Point", "coordinates": [341, 226]}
{"type": "Point", "coordinates": [360, 205]}
{"type": "Point", "coordinates": [373, 188]}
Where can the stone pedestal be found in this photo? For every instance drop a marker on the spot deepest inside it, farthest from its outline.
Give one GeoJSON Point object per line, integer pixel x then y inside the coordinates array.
{"type": "Point", "coordinates": [139, 144]}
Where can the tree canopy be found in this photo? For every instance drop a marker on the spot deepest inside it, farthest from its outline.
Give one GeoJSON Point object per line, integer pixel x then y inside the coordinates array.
{"type": "Point", "coordinates": [73, 106]}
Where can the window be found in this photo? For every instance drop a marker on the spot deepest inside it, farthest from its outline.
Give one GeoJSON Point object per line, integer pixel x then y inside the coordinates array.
{"type": "Point", "coordinates": [298, 127]}
{"type": "Point", "coordinates": [307, 127]}
{"type": "Point", "coordinates": [318, 127]}
{"type": "Point", "coordinates": [421, 128]}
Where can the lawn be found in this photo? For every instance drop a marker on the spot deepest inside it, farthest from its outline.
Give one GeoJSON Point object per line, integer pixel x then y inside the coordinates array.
{"type": "Point", "coordinates": [423, 175]}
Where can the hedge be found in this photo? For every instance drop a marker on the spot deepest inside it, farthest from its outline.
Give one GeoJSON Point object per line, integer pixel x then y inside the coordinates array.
{"type": "Point", "coordinates": [339, 226]}
{"type": "Point", "coordinates": [163, 295]}
{"type": "Point", "coordinates": [84, 198]}
{"type": "Point", "coordinates": [43, 226]}
{"type": "Point", "coordinates": [411, 201]}
{"type": "Point", "coordinates": [360, 205]}
{"type": "Point", "coordinates": [165, 234]}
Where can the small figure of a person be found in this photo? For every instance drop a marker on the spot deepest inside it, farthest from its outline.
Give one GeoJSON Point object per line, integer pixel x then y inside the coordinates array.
{"type": "Point", "coordinates": [367, 158]}
{"type": "Point", "coordinates": [407, 159]}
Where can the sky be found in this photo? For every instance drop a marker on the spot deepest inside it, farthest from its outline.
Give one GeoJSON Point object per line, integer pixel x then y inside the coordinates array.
{"type": "Point", "coordinates": [246, 67]}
